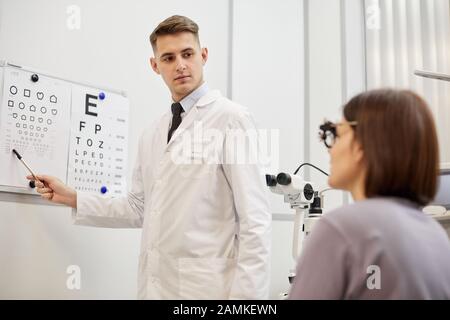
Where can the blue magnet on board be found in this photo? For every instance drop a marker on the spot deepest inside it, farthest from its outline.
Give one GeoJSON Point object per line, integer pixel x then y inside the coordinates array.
{"type": "Point", "coordinates": [101, 96]}
{"type": "Point", "coordinates": [103, 189]}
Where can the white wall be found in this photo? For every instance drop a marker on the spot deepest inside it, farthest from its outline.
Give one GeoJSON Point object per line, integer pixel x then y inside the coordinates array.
{"type": "Point", "coordinates": [268, 78]}
{"type": "Point", "coordinates": [111, 49]}
{"type": "Point", "coordinates": [325, 82]}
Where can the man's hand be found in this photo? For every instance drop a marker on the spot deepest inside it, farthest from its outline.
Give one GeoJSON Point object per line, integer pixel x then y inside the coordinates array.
{"type": "Point", "coordinates": [52, 189]}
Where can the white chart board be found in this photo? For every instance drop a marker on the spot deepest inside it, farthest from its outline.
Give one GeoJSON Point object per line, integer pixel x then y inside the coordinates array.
{"type": "Point", "coordinates": [76, 132]}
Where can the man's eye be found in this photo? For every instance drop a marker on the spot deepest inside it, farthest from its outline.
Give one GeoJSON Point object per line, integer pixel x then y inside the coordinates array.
{"type": "Point", "coordinates": [167, 59]}
{"type": "Point", "coordinates": [187, 54]}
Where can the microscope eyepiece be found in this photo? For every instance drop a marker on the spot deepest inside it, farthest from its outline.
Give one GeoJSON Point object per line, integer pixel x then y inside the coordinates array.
{"type": "Point", "coordinates": [271, 180]}
{"type": "Point", "coordinates": [284, 179]}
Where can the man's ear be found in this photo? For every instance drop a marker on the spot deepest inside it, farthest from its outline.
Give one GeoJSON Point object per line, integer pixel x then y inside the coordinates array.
{"type": "Point", "coordinates": [204, 55]}
{"type": "Point", "coordinates": [154, 65]}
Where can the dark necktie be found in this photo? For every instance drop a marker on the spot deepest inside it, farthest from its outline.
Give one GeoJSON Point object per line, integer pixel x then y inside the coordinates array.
{"type": "Point", "coordinates": [177, 110]}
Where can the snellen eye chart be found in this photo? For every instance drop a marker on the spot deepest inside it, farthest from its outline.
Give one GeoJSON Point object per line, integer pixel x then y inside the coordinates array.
{"type": "Point", "coordinates": [98, 143]}
{"type": "Point", "coordinates": [76, 132]}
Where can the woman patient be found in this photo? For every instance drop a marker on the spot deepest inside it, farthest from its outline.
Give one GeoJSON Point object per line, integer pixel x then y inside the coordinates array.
{"type": "Point", "coordinates": [385, 152]}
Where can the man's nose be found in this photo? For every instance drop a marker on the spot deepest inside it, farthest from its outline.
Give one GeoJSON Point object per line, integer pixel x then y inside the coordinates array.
{"type": "Point", "coordinates": [181, 65]}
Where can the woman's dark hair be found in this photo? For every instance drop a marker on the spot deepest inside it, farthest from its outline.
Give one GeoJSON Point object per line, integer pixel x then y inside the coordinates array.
{"type": "Point", "coordinates": [397, 133]}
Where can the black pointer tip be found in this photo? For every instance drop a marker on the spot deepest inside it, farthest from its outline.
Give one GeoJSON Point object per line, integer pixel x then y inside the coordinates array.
{"type": "Point", "coordinates": [17, 154]}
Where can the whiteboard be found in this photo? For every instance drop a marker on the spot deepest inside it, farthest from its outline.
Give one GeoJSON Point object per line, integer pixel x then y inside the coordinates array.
{"type": "Point", "coordinates": [74, 131]}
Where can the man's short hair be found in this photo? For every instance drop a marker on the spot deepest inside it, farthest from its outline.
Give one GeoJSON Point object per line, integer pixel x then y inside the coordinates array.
{"type": "Point", "coordinates": [173, 25]}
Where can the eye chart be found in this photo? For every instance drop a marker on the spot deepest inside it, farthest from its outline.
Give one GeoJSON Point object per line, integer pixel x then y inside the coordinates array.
{"type": "Point", "coordinates": [34, 121]}
{"type": "Point", "coordinates": [98, 146]}
{"type": "Point", "coordinates": [76, 132]}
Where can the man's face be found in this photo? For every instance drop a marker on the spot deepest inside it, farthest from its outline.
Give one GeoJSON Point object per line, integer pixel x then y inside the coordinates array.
{"type": "Point", "coordinates": [179, 60]}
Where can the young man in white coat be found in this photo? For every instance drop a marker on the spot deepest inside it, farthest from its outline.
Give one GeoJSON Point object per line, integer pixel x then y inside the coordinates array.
{"type": "Point", "coordinates": [206, 224]}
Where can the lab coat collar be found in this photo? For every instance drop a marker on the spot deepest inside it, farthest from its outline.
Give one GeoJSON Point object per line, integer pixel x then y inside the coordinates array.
{"type": "Point", "coordinates": [208, 98]}
{"type": "Point", "coordinates": [191, 99]}
{"type": "Point", "coordinates": [204, 101]}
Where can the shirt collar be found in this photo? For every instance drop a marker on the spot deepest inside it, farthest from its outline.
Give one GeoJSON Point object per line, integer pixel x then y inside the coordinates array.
{"type": "Point", "coordinates": [191, 99]}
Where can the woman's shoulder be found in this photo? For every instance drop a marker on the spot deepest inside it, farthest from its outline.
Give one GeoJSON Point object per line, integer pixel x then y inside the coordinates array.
{"type": "Point", "coordinates": [372, 212]}
{"type": "Point", "coordinates": [378, 205]}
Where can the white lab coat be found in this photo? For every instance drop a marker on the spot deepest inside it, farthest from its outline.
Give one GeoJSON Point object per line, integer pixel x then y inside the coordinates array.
{"type": "Point", "coordinates": [206, 227]}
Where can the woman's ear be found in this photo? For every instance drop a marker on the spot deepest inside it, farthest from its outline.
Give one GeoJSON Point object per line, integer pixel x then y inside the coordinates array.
{"type": "Point", "coordinates": [357, 151]}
